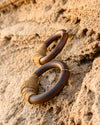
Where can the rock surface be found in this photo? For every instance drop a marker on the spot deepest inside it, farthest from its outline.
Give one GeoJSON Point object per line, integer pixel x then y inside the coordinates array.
{"type": "Point", "coordinates": [24, 24]}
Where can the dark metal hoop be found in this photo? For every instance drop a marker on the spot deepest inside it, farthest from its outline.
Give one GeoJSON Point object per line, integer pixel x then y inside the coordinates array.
{"type": "Point", "coordinates": [64, 75]}
{"type": "Point", "coordinates": [64, 36]}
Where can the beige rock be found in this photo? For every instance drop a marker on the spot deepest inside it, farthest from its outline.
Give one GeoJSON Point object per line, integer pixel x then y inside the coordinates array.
{"type": "Point", "coordinates": [24, 25]}
{"type": "Point", "coordinates": [86, 108]}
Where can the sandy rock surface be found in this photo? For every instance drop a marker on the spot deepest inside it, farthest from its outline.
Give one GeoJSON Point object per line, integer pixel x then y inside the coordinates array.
{"type": "Point", "coordinates": [24, 24]}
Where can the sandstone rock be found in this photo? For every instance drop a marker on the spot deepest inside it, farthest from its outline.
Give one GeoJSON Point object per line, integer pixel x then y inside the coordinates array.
{"type": "Point", "coordinates": [85, 111]}
{"type": "Point", "coordinates": [24, 24]}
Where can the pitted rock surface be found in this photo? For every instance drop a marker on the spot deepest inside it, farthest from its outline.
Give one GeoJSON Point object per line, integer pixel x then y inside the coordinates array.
{"type": "Point", "coordinates": [24, 24]}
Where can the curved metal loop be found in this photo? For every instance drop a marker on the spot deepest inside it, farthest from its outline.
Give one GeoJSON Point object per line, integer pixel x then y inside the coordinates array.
{"type": "Point", "coordinates": [40, 55]}
{"type": "Point", "coordinates": [29, 88]}
{"type": "Point", "coordinates": [64, 76]}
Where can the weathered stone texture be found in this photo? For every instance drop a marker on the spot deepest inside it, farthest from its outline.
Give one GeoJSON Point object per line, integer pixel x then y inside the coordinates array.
{"type": "Point", "coordinates": [24, 24]}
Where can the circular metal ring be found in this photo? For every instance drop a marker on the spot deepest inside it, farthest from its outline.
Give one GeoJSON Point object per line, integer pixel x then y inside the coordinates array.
{"type": "Point", "coordinates": [64, 75]}
{"type": "Point", "coordinates": [64, 36]}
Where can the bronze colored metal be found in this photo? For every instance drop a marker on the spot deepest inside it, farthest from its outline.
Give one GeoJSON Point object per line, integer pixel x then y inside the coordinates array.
{"type": "Point", "coordinates": [29, 88]}
{"type": "Point", "coordinates": [64, 36]}
{"type": "Point", "coordinates": [39, 56]}
{"type": "Point", "coordinates": [64, 76]}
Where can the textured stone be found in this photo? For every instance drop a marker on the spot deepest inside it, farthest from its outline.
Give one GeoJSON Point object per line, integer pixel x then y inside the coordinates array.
{"type": "Point", "coordinates": [86, 108]}
{"type": "Point", "coordinates": [24, 25]}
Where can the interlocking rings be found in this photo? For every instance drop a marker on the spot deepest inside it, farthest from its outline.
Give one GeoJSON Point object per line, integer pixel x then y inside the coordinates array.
{"type": "Point", "coordinates": [29, 87]}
